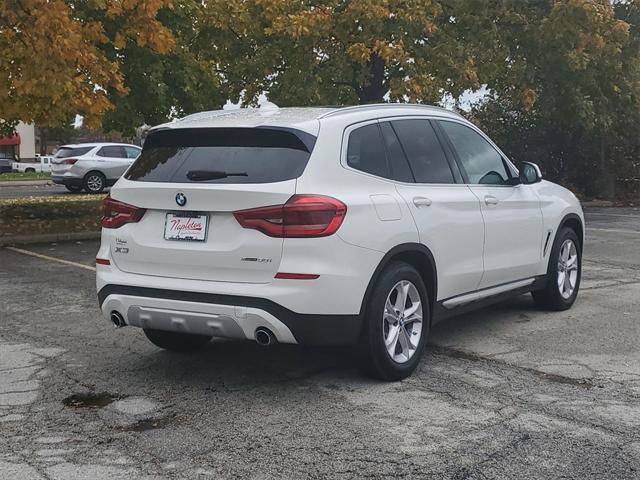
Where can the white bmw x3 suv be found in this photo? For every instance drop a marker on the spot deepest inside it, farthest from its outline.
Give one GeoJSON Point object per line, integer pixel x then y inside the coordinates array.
{"type": "Point", "coordinates": [358, 225]}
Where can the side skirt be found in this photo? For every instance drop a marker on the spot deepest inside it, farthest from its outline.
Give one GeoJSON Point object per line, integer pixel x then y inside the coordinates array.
{"type": "Point", "coordinates": [441, 313]}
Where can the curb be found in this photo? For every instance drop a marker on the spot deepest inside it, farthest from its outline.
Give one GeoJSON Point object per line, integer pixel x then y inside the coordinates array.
{"type": "Point", "coordinates": [47, 238]}
{"type": "Point", "coordinates": [25, 183]}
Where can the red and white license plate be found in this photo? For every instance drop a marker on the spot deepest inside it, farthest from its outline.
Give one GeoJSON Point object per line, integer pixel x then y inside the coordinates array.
{"type": "Point", "coordinates": [186, 226]}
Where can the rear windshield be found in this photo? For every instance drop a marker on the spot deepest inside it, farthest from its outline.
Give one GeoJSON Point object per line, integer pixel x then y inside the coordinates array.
{"type": "Point", "coordinates": [66, 152]}
{"type": "Point", "coordinates": [223, 155]}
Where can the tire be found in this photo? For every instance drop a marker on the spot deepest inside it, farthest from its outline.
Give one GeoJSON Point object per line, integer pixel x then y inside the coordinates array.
{"type": "Point", "coordinates": [30, 170]}
{"type": "Point", "coordinates": [379, 325]}
{"type": "Point", "coordinates": [556, 296]}
{"type": "Point", "coordinates": [94, 182]}
{"type": "Point", "coordinates": [176, 341]}
{"type": "Point", "coordinates": [73, 188]}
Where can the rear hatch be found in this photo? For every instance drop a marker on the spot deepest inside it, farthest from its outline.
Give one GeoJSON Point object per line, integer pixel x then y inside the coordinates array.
{"type": "Point", "coordinates": [66, 157]}
{"type": "Point", "coordinates": [191, 181]}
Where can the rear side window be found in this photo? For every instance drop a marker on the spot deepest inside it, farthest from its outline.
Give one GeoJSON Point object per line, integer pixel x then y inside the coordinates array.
{"type": "Point", "coordinates": [112, 151]}
{"type": "Point", "coordinates": [365, 151]}
{"type": "Point", "coordinates": [424, 151]}
{"type": "Point", "coordinates": [66, 152]}
{"type": "Point", "coordinates": [397, 160]}
{"type": "Point", "coordinates": [223, 155]}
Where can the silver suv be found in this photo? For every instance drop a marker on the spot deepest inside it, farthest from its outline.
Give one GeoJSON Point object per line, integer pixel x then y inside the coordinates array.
{"type": "Point", "coordinates": [92, 166]}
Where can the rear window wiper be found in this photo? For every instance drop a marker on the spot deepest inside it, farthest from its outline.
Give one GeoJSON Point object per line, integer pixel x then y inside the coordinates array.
{"type": "Point", "coordinates": [204, 175]}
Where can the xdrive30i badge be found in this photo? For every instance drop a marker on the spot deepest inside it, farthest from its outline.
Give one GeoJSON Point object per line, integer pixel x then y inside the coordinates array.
{"type": "Point", "coordinates": [181, 199]}
{"type": "Point", "coordinates": [254, 259]}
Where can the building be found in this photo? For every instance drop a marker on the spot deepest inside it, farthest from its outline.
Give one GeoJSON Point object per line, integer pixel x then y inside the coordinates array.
{"type": "Point", "coordinates": [22, 145]}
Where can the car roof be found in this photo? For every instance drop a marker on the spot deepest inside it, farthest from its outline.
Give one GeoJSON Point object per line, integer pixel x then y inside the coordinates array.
{"type": "Point", "coordinates": [302, 118]}
{"type": "Point", "coordinates": [96, 144]}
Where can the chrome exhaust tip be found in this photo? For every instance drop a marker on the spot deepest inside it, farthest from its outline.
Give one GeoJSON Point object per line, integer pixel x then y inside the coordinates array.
{"type": "Point", "coordinates": [265, 337]}
{"type": "Point", "coordinates": [117, 319]}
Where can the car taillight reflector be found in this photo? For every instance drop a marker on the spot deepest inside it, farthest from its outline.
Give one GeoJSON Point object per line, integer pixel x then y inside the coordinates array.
{"type": "Point", "coordinates": [296, 276]}
{"type": "Point", "coordinates": [69, 161]}
{"type": "Point", "coordinates": [103, 261]}
{"type": "Point", "coordinates": [117, 214]}
{"type": "Point", "coordinates": [303, 216]}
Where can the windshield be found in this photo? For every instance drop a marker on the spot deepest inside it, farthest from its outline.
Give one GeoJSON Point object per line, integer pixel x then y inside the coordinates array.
{"type": "Point", "coordinates": [223, 155]}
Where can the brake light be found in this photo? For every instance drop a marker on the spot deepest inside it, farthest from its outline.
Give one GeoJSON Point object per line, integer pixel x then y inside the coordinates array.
{"type": "Point", "coordinates": [69, 161]}
{"type": "Point", "coordinates": [303, 216]}
{"type": "Point", "coordinates": [117, 214]}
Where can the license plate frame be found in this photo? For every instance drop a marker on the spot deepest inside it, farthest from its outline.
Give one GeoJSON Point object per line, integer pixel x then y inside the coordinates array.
{"type": "Point", "coordinates": [185, 234]}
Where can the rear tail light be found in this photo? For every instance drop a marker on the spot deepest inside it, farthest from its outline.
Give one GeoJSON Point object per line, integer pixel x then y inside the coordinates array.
{"type": "Point", "coordinates": [303, 216]}
{"type": "Point", "coordinates": [116, 213]}
{"type": "Point", "coordinates": [69, 161]}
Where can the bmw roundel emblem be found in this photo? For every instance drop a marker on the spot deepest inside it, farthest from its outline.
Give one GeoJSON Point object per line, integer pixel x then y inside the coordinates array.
{"type": "Point", "coordinates": [181, 199]}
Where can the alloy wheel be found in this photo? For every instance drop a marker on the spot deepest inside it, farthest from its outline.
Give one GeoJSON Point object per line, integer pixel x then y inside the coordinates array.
{"type": "Point", "coordinates": [94, 183]}
{"type": "Point", "coordinates": [402, 321]}
{"type": "Point", "coordinates": [567, 269]}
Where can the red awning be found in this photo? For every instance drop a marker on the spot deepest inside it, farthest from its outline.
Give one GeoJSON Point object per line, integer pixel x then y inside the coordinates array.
{"type": "Point", "coordinates": [15, 140]}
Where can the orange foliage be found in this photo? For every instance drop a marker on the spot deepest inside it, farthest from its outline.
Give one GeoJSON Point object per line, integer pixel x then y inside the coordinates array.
{"type": "Point", "coordinates": [53, 60]}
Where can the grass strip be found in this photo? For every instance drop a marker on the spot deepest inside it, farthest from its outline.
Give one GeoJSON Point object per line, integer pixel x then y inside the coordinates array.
{"type": "Point", "coordinates": [21, 176]}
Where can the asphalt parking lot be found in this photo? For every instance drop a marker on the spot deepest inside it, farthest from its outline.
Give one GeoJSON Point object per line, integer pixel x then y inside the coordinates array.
{"type": "Point", "coordinates": [507, 392]}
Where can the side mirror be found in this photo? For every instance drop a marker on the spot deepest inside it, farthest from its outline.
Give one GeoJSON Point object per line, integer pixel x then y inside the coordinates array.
{"type": "Point", "coordinates": [530, 173]}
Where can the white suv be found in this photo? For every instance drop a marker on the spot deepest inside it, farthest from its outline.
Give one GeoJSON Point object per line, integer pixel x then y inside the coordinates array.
{"type": "Point", "coordinates": [92, 166]}
{"type": "Point", "coordinates": [360, 225]}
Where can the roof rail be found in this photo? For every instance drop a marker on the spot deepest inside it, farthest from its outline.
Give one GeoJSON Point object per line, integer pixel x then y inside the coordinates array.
{"type": "Point", "coordinates": [371, 106]}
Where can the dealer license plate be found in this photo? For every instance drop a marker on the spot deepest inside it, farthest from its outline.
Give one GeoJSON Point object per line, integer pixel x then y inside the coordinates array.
{"type": "Point", "coordinates": [189, 226]}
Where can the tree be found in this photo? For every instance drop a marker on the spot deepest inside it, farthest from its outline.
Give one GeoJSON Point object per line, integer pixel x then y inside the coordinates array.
{"type": "Point", "coordinates": [570, 93]}
{"type": "Point", "coordinates": [52, 59]}
{"type": "Point", "coordinates": [164, 86]}
{"type": "Point", "coordinates": [334, 51]}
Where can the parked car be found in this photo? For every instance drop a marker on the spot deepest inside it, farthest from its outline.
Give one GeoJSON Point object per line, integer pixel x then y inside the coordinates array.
{"type": "Point", "coordinates": [92, 166]}
{"type": "Point", "coordinates": [6, 162]}
{"type": "Point", "coordinates": [40, 164]}
{"type": "Point", "coordinates": [361, 225]}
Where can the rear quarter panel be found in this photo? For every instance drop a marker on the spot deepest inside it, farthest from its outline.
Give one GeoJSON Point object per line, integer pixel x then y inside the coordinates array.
{"type": "Point", "coordinates": [377, 217]}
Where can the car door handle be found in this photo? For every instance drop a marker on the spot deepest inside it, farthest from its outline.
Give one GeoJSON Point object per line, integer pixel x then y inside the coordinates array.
{"type": "Point", "coordinates": [421, 202]}
{"type": "Point", "coordinates": [490, 200]}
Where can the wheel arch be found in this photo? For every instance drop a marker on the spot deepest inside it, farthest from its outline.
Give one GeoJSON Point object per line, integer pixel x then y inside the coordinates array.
{"type": "Point", "coordinates": [89, 173]}
{"type": "Point", "coordinates": [574, 222]}
{"type": "Point", "coordinates": [418, 256]}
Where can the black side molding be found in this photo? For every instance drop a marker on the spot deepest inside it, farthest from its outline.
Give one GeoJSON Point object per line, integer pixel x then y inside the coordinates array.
{"type": "Point", "coordinates": [441, 313]}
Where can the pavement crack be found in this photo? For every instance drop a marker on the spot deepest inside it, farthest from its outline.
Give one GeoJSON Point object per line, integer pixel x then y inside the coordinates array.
{"type": "Point", "coordinates": [473, 357]}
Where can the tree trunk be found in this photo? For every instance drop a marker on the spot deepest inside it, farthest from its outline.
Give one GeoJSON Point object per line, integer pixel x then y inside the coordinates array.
{"type": "Point", "coordinates": [606, 180]}
{"type": "Point", "coordinates": [43, 140]}
{"type": "Point", "coordinates": [375, 90]}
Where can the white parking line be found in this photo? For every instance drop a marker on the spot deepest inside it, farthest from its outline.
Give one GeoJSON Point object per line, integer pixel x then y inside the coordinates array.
{"type": "Point", "coordinates": [51, 259]}
{"type": "Point", "coordinates": [633, 232]}
{"type": "Point", "coordinates": [587, 214]}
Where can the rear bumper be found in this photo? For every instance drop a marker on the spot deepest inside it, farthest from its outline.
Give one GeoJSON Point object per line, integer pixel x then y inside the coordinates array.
{"type": "Point", "coordinates": [67, 181]}
{"type": "Point", "coordinates": [227, 316]}
{"type": "Point", "coordinates": [70, 181]}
